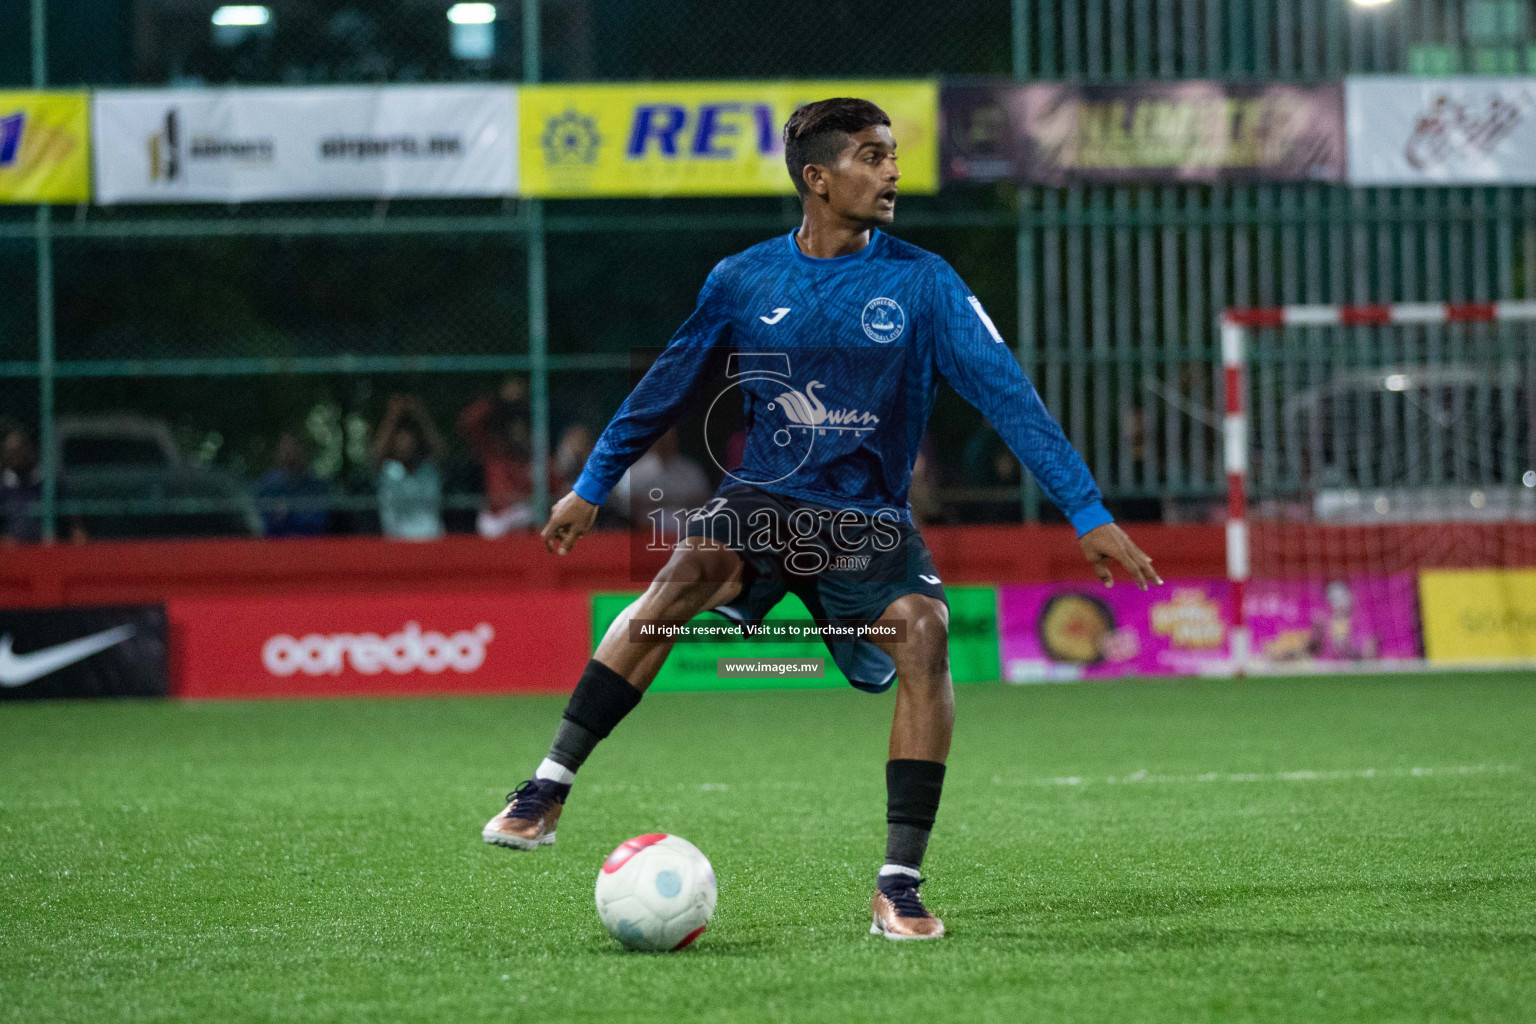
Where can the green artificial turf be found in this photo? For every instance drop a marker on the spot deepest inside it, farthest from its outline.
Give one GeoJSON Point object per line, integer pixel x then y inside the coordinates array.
{"type": "Point", "coordinates": [1328, 849]}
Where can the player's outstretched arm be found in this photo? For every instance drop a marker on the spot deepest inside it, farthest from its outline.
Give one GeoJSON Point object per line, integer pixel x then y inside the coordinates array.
{"type": "Point", "coordinates": [1107, 542]}
{"type": "Point", "coordinates": [571, 517]}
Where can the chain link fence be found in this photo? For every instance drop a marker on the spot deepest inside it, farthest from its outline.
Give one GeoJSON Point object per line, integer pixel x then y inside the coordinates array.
{"type": "Point", "coordinates": [228, 326]}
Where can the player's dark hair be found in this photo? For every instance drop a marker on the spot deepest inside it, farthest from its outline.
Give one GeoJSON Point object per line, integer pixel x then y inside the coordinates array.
{"type": "Point", "coordinates": [816, 132]}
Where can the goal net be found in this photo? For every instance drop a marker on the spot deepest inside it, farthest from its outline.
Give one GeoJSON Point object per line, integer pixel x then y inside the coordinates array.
{"type": "Point", "coordinates": [1381, 468]}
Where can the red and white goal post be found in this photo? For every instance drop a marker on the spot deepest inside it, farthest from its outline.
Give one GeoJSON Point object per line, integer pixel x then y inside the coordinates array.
{"type": "Point", "coordinates": [1363, 446]}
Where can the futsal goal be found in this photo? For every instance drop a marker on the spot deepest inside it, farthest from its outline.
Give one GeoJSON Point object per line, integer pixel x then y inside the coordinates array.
{"type": "Point", "coordinates": [1381, 481]}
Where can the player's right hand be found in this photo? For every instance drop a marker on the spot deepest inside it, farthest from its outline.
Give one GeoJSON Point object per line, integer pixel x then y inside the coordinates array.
{"type": "Point", "coordinates": [571, 517]}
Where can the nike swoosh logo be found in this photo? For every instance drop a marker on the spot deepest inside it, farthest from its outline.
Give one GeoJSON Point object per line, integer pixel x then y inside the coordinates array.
{"type": "Point", "coordinates": [20, 669]}
{"type": "Point", "coordinates": [778, 315]}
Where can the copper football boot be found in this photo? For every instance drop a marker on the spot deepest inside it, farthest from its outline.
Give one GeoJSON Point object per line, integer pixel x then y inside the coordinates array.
{"type": "Point", "coordinates": [899, 912]}
{"type": "Point", "coordinates": [528, 823]}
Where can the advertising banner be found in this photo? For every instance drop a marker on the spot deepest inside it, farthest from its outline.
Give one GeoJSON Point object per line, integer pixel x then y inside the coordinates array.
{"type": "Point", "coordinates": [1441, 131]}
{"type": "Point", "coordinates": [379, 644]}
{"type": "Point", "coordinates": [1478, 615]}
{"type": "Point", "coordinates": [1334, 622]}
{"type": "Point", "coordinates": [1057, 133]}
{"type": "Point", "coordinates": [699, 139]}
{"type": "Point", "coordinates": [693, 665]}
{"type": "Point", "coordinates": [45, 147]}
{"type": "Point", "coordinates": [973, 654]}
{"type": "Point", "coordinates": [1056, 631]}
{"type": "Point", "coordinates": [83, 652]}
{"type": "Point", "coordinates": [237, 145]}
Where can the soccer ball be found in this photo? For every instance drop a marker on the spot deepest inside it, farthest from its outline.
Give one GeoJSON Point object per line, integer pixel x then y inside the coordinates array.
{"type": "Point", "coordinates": [656, 892]}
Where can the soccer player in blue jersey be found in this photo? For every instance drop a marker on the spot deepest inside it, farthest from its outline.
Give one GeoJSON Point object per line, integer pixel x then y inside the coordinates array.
{"type": "Point", "coordinates": [838, 334]}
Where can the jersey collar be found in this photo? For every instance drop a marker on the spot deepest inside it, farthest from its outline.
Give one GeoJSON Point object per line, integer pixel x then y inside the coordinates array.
{"type": "Point", "coordinates": [834, 262]}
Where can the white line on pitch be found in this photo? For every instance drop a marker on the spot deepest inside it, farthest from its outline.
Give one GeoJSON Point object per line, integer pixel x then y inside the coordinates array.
{"type": "Point", "coordinates": [1147, 778]}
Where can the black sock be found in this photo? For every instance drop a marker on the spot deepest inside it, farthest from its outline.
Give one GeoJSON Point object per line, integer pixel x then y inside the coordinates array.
{"type": "Point", "coordinates": [912, 790]}
{"type": "Point", "coordinates": [906, 844]}
{"type": "Point", "coordinates": [601, 700]}
{"type": "Point", "coordinates": [572, 744]}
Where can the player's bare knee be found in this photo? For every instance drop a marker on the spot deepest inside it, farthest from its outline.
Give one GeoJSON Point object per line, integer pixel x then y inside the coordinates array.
{"type": "Point", "coordinates": [679, 600]}
{"type": "Point", "coordinates": [691, 582]}
{"type": "Point", "coordinates": [927, 630]}
{"type": "Point", "coordinates": [927, 646]}
{"type": "Point", "coordinates": [684, 567]}
{"type": "Point", "coordinates": [697, 563]}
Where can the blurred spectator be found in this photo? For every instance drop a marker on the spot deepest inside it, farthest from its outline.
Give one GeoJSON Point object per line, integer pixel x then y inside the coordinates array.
{"type": "Point", "coordinates": [498, 431]}
{"type": "Point", "coordinates": [662, 480]}
{"type": "Point", "coordinates": [405, 451]}
{"type": "Point", "coordinates": [292, 499]}
{"type": "Point", "coordinates": [988, 464]}
{"type": "Point", "coordinates": [21, 488]}
{"type": "Point", "coordinates": [575, 445]}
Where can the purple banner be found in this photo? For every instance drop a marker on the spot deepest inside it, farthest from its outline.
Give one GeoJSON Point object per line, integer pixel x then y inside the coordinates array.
{"type": "Point", "coordinates": [1058, 133]}
{"type": "Point", "coordinates": [1053, 631]}
{"type": "Point", "coordinates": [1359, 618]}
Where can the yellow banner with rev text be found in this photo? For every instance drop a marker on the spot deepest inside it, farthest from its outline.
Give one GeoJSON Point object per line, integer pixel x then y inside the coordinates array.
{"type": "Point", "coordinates": [45, 147]}
{"type": "Point", "coordinates": [1478, 615]}
{"type": "Point", "coordinates": [699, 138]}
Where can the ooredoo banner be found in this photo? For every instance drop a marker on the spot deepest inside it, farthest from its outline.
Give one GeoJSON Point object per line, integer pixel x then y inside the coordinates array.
{"type": "Point", "coordinates": [1412, 130]}
{"type": "Point", "coordinates": [237, 145]}
{"type": "Point", "coordinates": [1058, 632]}
{"type": "Point", "coordinates": [699, 138]}
{"type": "Point", "coordinates": [369, 644]}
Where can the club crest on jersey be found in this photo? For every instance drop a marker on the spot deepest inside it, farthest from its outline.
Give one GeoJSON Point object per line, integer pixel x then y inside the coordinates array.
{"type": "Point", "coordinates": [883, 320]}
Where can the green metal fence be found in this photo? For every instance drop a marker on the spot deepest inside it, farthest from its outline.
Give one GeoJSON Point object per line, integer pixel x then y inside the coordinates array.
{"type": "Point", "coordinates": [233, 322]}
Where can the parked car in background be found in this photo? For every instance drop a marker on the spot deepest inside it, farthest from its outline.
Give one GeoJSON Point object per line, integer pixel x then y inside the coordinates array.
{"type": "Point", "coordinates": [1410, 444]}
{"type": "Point", "coordinates": [128, 459]}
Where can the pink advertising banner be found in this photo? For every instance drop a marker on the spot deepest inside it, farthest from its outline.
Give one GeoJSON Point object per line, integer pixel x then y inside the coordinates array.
{"type": "Point", "coordinates": [1055, 632]}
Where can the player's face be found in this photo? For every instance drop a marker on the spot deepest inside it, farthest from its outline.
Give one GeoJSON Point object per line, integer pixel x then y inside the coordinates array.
{"type": "Point", "coordinates": [862, 184]}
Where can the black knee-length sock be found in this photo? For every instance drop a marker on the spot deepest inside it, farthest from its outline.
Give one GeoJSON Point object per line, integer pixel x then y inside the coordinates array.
{"type": "Point", "coordinates": [601, 700]}
{"type": "Point", "coordinates": [912, 790]}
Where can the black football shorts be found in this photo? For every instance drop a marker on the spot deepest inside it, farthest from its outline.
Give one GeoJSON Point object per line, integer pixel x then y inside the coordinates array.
{"type": "Point", "coordinates": [844, 565]}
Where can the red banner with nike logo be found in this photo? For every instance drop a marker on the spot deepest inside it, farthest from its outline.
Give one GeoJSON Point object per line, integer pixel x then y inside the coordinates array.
{"type": "Point", "coordinates": [379, 644]}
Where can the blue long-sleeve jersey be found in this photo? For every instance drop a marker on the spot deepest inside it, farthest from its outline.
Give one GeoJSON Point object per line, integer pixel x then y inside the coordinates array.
{"type": "Point", "coordinates": [837, 362]}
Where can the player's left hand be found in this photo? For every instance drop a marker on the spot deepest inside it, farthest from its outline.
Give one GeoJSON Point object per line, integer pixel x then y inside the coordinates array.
{"type": "Point", "coordinates": [1103, 543]}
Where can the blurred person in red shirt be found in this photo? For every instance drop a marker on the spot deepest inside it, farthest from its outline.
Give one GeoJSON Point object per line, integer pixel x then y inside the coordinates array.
{"type": "Point", "coordinates": [498, 431]}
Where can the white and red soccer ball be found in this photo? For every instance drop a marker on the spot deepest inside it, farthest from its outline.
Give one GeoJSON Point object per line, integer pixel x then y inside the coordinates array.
{"type": "Point", "coordinates": [656, 893]}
